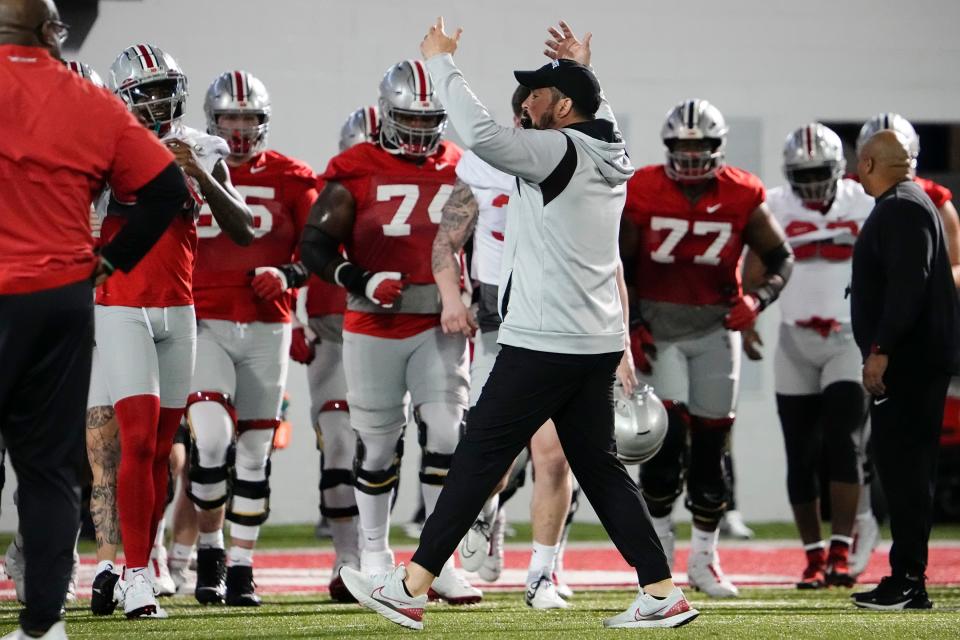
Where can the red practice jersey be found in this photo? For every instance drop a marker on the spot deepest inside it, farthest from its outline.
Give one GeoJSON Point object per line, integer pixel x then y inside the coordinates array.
{"type": "Point", "coordinates": [324, 298]}
{"type": "Point", "coordinates": [398, 208]}
{"type": "Point", "coordinates": [689, 253]}
{"type": "Point", "coordinates": [279, 191]}
{"type": "Point", "coordinates": [937, 192]}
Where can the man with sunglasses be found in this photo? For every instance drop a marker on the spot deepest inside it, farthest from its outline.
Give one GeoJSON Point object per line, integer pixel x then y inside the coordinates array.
{"type": "Point", "coordinates": [52, 166]}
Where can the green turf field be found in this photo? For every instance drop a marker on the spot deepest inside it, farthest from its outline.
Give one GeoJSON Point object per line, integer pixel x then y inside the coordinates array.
{"type": "Point", "coordinates": [759, 613]}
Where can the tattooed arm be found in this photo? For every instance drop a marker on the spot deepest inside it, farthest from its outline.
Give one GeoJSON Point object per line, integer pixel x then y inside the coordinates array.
{"type": "Point", "coordinates": [456, 224]}
{"type": "Point", "coordinates": [103, 450]}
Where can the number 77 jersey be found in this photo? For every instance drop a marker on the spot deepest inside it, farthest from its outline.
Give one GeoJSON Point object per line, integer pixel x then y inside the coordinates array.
{"type": "Point", "coordinates": [397, 206]}
{"type": "Point", "coordinates": [688, 253]}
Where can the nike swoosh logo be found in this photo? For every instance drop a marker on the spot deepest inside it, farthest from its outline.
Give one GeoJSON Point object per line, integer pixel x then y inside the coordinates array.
{"type": "Point", "coordinates": [878, 401]}
{"type": "Point", "coordinates": [713, 207]}
{"type": "Point", "coordinates": [257, 169]}
{"type": "Point", "coordinates": [416, 614]}
{"type": "Point", "coordinates": [442, 165]}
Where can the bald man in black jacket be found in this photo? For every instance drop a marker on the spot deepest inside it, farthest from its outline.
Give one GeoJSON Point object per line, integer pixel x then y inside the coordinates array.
{"type": "Point", "coordinates": [906, 321]}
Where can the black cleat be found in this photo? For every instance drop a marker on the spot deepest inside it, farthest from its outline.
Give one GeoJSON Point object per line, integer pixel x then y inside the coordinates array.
{"type": "Point", "coordinates": [241, 589]}
{"type": "Point", "coordinates": [894, 594]}
{"type": "Point", "coordinates": [211, 576]}
{"type": "Point", "coordinates": [102, 602]}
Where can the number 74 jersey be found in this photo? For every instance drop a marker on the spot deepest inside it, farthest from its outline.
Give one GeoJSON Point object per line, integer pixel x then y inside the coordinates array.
{"type": "Point", "coordinates": [689, 253]}
{"type": "Point", "coordinates": [398, 206]}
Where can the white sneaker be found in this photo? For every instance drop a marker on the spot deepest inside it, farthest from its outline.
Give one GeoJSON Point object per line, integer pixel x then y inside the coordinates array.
{"type": "Point", "coordinates": [179, 573]}
{"type": "Point", "coordinates": [451, 586]}
{"type": "Point", "coordinates": [56, 632]}
{"type": "Point", "coordinates": [138, 598]}
{"type": "Point", "coordinates": [386, 595]}
{"type": "Point", "coordinates": [866, 536]}
{"type": "Point", "coordinates": [705, 574]}
{"type": "Point", "coordinates": [13, 564]}
{"type": "Point", "coordinates": [493, 563]}
{"type": "Point", "coordinates": [475, 546]}
{"type": "Point", "coordinates": [163, 584]}
{"type": "Point", "coordinates": [373, 563]}
{"type": "Point", "coordinates": [649, 612]}
{"type": "Point", "coordinates": [563, 589]}
{"type": "Point", "coordinates": [733, 526]}
{"type": "Point", "coordinates": [542, 594]}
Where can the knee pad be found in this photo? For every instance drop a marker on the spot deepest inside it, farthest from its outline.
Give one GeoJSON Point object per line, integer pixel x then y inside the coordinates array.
{"type": "Point", "coordinates": [249, 503]}
{"type": "Point", "coordinates": [661, 477]}
{"type": "Point", "coordinates": [707, 488]}
{"type": "Point", "coordinates": [330, 407]}
{"type": "Point", "coordinates": [336, 440]}
{"type": "Point", "coordinates": [439, 426]}
{"type": "Point", "coordinates": [377, 463]}
{"type": "Point", "coordinates": [330, 481]}
{"type": "Point", "coordinates": [803, 442]}
{"type": "Point", "coordinates": [211, 419]}
{"type": "Point", "coordinates": [844, 411]}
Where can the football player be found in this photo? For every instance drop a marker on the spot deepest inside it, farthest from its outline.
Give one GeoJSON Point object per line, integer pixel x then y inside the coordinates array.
{"type": "Point", "coordinates": [383, 204]}
{"type": "Point", "coordinates": [145, 322]}
{"type": "Point", "coordinates": [478, 201]}
{"type": "Point", "coordinates": [820, 396]}
{"type": "Point", "coordinates": [320, 347]}
{"type": "Point", "coordinates": [866, 530]}
{"type": "Point", "coordinates": [244, 298]}
{"type": "Point", "coordinates": [685, 225]}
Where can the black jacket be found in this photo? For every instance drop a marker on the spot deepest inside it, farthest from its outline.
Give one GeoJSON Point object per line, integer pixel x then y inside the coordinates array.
{"type": "Point", "coordinates": [904, 301]}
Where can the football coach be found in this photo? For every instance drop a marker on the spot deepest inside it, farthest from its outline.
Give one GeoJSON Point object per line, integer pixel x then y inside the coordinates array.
{"type": "Point", "coordinates": [905, 316]}
{"type": "Point", "coordinates": [63, 139]}
{"type": "Point", "coordinates": [562, 334]}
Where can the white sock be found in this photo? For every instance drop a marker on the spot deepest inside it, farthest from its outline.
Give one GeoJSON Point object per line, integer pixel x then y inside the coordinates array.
{"type": "Point", "coordinates": [863, 504]}
{"type": "Point", "coordinates": [211, 540]}
{"type": "Point", "coordinates": [161, 531]}
{"type": "Point", "coordinates": [847, 540]}
{"type": "Point", "coordinates": [489, 511]}
{"type": "Point", "coordinates": [345, 538]}
{"type": "Point", "coordinates": [241, 556]}
{"type": "Point", "coordinates": [104, 565]}
{"type": "Point", "coordinates": [374, 519]}
{"type": "Point", "coordinates": [131, 572]}
{"type": "Point", "coordinates": [663, 526]}
{"type": "Point", "coordinates": [181, 551]}
{"type": "Point", "coordinates": [703, 541]}
{"type": "Point", "coordinates": [431, 493]}
{"type": "Point", "coordinates": [541, 561]}
{"type": "Point", "coordinates": [813, 546]}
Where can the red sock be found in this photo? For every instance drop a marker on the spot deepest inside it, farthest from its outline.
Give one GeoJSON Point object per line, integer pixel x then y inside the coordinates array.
{"type": "Point", "coordinates": [168, 424]}
{"type": "Point", "coordinates": [138, 417]}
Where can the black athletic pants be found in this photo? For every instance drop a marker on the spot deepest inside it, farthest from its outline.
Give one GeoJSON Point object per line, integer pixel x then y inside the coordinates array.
{"type": "Point", "coordinates": [46, 346]}
{"type": "Point", "coordinates": [905, 440]}
{"type": "Point", "coordinates": [524, 389]}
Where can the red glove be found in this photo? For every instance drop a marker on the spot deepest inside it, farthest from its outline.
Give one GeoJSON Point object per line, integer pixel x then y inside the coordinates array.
{"type": "Point", "coordinates": [302, 347]}
{"type": "Point", "coordinates": [385, 288]}
{"type": "Point", "coordinates": [744, 312]}
{"type": "Point", "coordinates": [268, 283]}
{"type": "Point", "coordinates": [642, 349]}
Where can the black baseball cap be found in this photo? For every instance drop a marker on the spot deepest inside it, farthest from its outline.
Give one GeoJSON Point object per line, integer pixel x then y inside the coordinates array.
{"type": "Point", "coordinates": [574, 80]}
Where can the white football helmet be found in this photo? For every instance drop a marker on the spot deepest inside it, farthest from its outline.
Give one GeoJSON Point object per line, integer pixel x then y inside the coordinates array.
{"type": "Point", "coordinates": [640, 424]}
{"type": "Point", "coordinates": [694, 120]}
{"type": "Point", "coordinates": [363, 125]}
{"type": "Point", "coordinates": [813, 163]}
{"type": "Point", "coordinates": [85, 71]}
{"type": "Point", "coordinates": [152, 85]}
{"type": "Point", "coordinates": [890, 120]}
{"type": "Point", "coordinates": [407, 95]}
{"type": "Point", "coordinates": [238, 92]}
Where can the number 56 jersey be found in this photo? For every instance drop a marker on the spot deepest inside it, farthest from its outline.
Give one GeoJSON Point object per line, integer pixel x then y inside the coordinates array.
{"type": "Point", "coordinates": [688, 253]}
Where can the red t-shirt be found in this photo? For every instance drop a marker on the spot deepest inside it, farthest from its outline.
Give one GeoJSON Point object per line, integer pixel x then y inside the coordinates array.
{"type": "Point", "coordinates": [398, 208]}
{"type": "Point", "coordinates": [279, 191]}
{"type": "Point", "coordinates": [63, 138]}
{"type": "Point", "coordinates": [688, 253]}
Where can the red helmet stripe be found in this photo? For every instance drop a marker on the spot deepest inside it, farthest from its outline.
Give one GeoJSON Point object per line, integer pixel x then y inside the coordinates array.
{"type": "Point", "coordinates": [240, 93]}
{"type": "Point", "coordinates": [74, 66]}
{"type": "Point", "coordinates": [809, 136]}
{"type": "Point", "coordinates": [372, 120]}
{"type": "Point", "coordinates": [147, 58]}
{"type": "Point", "coordinates": [420, 78]}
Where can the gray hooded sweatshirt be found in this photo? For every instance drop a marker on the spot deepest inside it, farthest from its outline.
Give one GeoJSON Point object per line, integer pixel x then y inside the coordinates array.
{"type": "Point", "coordinates": [558, 290]}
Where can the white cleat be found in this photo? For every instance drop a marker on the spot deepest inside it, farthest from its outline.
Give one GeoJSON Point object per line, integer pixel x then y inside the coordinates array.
{"type": "Point", "coordinates": [179, 573]}
{"type": "Point", "coordinates": [56, 632]}
{"type": "Point", "coordinates": [475, 546]}
{"type": "Point", "coordinates": [563, 589]}
{"type": "Point", "coordinates": [386, 595]}
{"type": "Point", "coordinates": [705, 574]}
{"type": "Point", "coordinates": [374, 563]}
{"type": "Point", "coordinates": [866, 536]}
{"type": "Point", "coordinates": [163, 583]}
{"type": "Point", "coordinates": [138, 598]}
{"type": "Point", "coordinates": [648, 612]}
{"type": "Point", "coordinates": [542, 594]}
{"type": "Point", "coordinates": [493, 564]}
{"type": "Point", "coordinates": [733, 526]}
{"type": "Point", "coordinates": [452, 587]}
{"type": "Point", "coordinates": [13, 564]}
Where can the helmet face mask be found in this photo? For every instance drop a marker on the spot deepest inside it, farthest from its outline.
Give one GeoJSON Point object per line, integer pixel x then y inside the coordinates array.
{"type": "Point", "coordinates": [156, 103]}
{"type": "Point", "coordinates": [412, 119]}
{"type": "Point", "coordinates": [813, 164]}
{"type": "Point", "coordinates": [686, 163]}
{"type": "Point", "coordinates": [245, 139]}
{"type": "Point", "coordinates": [237, 108]}
{"type": "Point", "coordinates": [695, 135]}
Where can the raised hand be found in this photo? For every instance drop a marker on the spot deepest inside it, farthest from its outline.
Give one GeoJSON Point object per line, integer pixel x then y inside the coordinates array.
{"type": "Point", "coordinates": [563, 44]}
{"type": "Point", "coordinates": [437, 42]}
